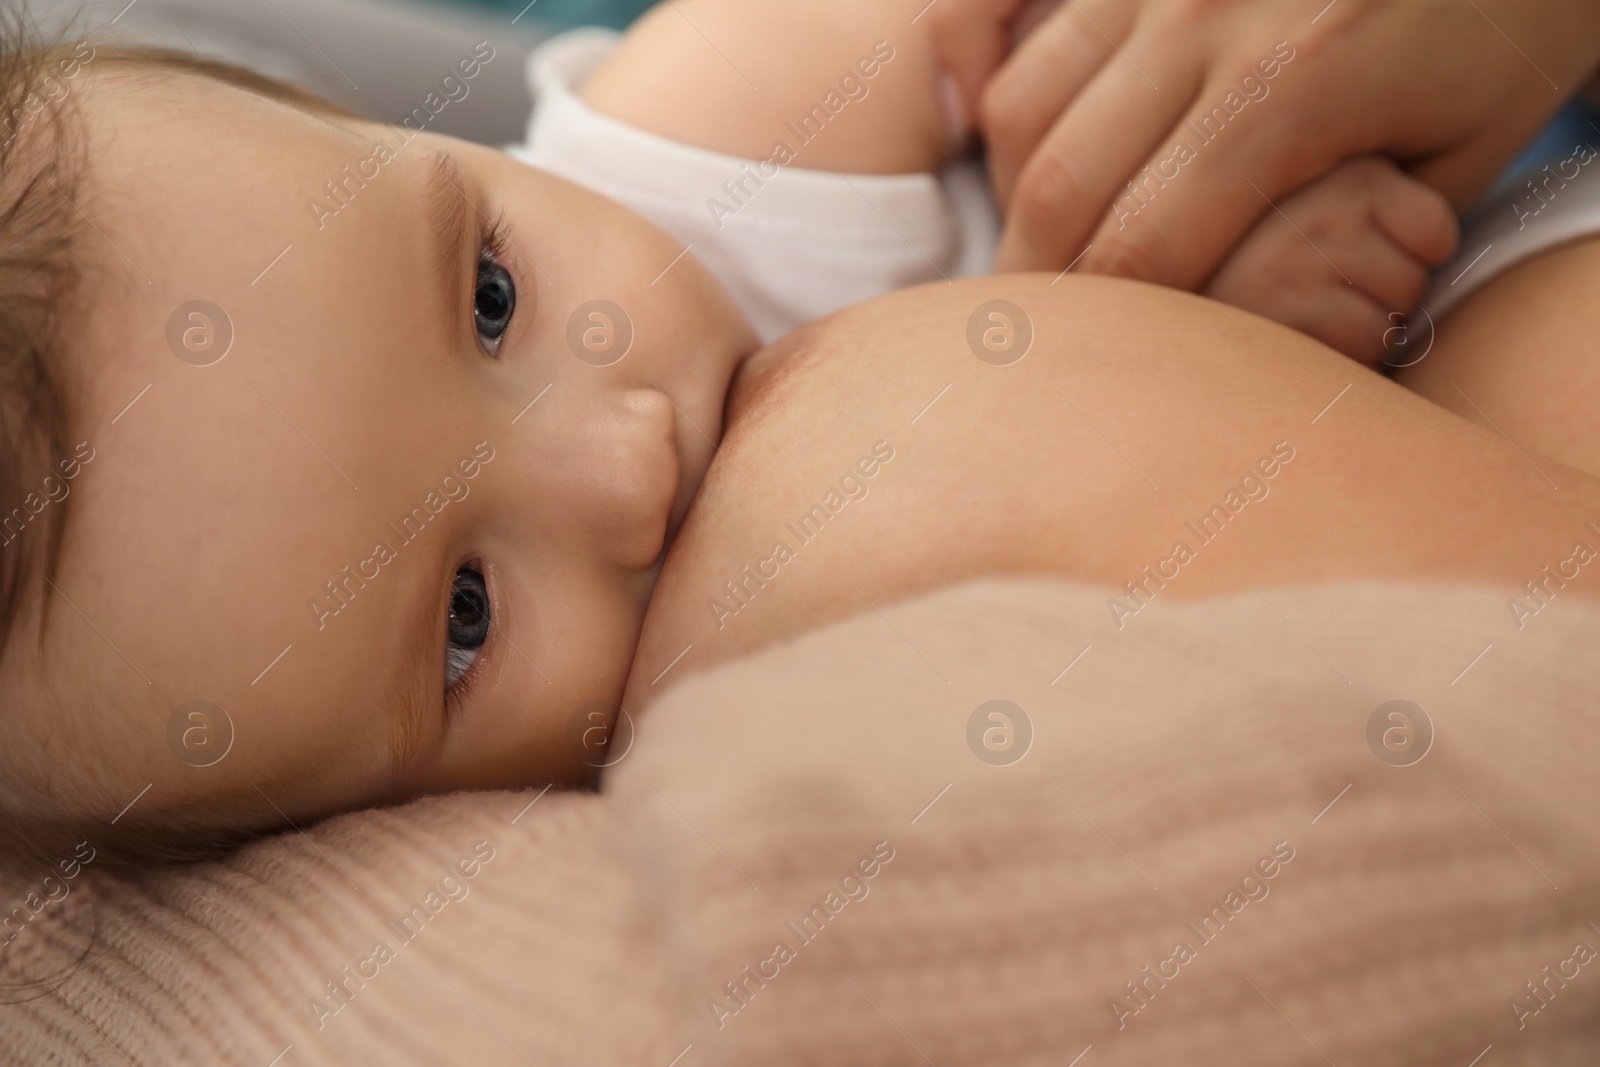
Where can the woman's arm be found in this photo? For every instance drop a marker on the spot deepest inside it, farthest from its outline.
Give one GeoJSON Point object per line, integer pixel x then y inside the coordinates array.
{"type": "Point", "coordinates": [849, 85]}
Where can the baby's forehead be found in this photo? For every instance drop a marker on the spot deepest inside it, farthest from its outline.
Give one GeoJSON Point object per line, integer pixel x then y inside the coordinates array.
{"type": "Point", "coordinates": [218, 305]}
{"type": "Point", "coordinates": [154, 71]}
{"type": "Point", "coordinates": [153, 95]}
{"type": "Point", "coordinates": [218, 358]}
{"type": "Point", "coordinates": [171, 153]}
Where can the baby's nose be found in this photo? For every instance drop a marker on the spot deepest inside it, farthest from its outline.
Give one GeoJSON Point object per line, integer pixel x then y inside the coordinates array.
{"type": "Point", "coordinates": [599, 469]}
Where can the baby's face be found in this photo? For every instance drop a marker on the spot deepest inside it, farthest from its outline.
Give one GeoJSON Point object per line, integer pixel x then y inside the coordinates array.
{"type": "Point", "coordinates": [404, 531]}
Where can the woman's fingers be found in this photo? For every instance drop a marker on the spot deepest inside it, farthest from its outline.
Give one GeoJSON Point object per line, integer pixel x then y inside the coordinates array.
{"type": "Point", "coordinates": [1085, 161]}
{"type": "Point", "coordinates": [1434, 83]}
{"type": "Point", "coordinates": [1463, 171]}
{"type": "Point", "coordinates": [972, 39]}
{"type": "Point", "coordinates": [1048, 69]}
{"type": "Point", "coordinates": [1237, 152]}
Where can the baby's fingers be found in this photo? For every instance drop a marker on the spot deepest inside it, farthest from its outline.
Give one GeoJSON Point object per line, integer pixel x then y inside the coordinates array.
{"type": "Point", "coordinates": [1420, 220]}
{"type": "Point", "coordinates": [1381, 269]}
{"type": "Point", "coordinates": [1341, 317]}
{"type": "Point", "coordinates": [1282, 278]}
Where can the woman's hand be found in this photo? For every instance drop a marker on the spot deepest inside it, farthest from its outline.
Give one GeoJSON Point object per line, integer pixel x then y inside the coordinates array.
{"type": "Point", "coordinates": [1100, 90]}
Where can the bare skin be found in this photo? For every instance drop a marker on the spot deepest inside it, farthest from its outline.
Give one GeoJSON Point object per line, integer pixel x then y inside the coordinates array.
{"type": "Point", "coordinates": [1008, 472]}
{"type": "Point", "coordinates": [209, 546]}
{"type": "Point", "coordinates": [1520, 356]}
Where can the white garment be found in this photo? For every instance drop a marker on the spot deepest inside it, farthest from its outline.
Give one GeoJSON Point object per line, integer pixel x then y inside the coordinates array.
{"type": "Point", "coordinates": [1556, 205]}
{"type": "Point", "coordinates": [791, 247]}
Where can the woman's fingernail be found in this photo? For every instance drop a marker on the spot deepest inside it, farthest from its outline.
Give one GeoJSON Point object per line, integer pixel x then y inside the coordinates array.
{"type": "Point", "coordinates": [953, 109]}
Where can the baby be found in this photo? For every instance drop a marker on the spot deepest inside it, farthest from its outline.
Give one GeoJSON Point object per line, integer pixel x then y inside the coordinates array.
{"type": "Point", "coordinates": [309, 510]}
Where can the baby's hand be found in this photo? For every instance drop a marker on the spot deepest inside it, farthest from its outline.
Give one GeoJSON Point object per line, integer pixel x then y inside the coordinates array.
{"type": "Point", "coordinates": [1359, 249]}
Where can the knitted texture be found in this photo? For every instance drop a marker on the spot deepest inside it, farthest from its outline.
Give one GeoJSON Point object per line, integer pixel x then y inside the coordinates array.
{"type": "Point", "coordinates": [821, 855]}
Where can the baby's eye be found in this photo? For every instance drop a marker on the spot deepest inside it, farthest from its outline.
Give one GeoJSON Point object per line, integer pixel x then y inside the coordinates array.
{"type": "Point", "coordinates": [494, 298]}
{"type": "Point", "coordinates": [469, 624]}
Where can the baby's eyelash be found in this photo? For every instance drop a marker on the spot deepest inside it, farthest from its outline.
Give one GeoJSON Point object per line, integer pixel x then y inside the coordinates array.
{"type": "Point", "coordinates": [496, 239]}
{"type": "Point", "coordinates": [468, 622]}
{"type": "Point", "coordinates": [457, 692]}
{"type": "Point", "coordinates": [455, 696]}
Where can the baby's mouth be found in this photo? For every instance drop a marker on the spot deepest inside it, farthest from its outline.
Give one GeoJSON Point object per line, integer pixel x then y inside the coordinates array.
{"type": "Point", "coordinates": [690, 468]}
{"type": "Point", "coordinates": [680, 511]}
{"type": "Point", "coordinates": [693, 468]}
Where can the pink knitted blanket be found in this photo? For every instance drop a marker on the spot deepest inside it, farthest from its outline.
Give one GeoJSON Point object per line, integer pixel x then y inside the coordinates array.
{"type": "Point", "coordinates": [986, 827]}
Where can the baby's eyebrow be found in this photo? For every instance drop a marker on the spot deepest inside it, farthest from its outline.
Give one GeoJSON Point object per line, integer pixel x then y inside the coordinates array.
{"type": "Point", "coordinates": [445, 204]}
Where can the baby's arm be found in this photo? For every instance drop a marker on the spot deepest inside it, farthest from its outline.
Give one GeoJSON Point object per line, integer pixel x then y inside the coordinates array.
{"type": "Point", "coordinates": [739, 78]}
{"type": "Point", "coordinates": [1348, 255]}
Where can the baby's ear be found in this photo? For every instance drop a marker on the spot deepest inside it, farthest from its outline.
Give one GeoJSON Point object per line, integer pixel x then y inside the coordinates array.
{"type": "Point", "coordinates": [1419, 219]}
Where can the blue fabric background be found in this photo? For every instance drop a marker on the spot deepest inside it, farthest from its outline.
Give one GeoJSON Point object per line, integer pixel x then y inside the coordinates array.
{"type": "Point", "coordinates": [566, 13]}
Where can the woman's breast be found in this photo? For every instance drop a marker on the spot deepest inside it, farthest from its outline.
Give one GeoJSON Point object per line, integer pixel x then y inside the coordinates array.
{"type": "Point", "coordinates": [868, 457]}
{"type": "Point", "coordinates": [1095, 430]}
